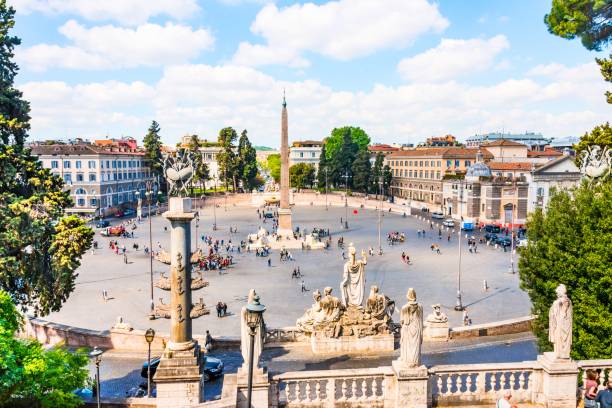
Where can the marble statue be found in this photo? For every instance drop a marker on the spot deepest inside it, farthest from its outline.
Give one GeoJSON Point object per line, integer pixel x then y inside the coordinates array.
{"type": "Point", "coordinates": [307, 322]}
{"type": "Point", "coordinates": [596, 162]}
{"type": "Point", "coordinates": [260, 332]}
{"type": "Point", "coordinates": [437, 316]}
{"type": "Point", "coordinates": [379, 306]}
{"type": "Point", "coordinates": [560, 324]}
{"type": "Point", "coordinates": [353, 282]}
{"type": "Point", "coordinates": [179, 172]}
{"type": "Point", "coordinates": [411, 320]}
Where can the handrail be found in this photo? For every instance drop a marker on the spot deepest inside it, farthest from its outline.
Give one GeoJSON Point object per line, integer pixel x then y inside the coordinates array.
{"type": "Point", "coordinates": [595, 363]}
{"type": "Point", "coordinates": [342, 373]}
{"type": "Point", "coordinates": [521, 365]}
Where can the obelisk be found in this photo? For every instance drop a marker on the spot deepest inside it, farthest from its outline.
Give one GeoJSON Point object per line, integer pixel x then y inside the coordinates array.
{"type": "Point", "coordinates": [284, 212]}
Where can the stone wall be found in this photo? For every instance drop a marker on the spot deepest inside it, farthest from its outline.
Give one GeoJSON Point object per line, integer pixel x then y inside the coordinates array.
{"type": "Point", "coordinates": [516, 325]}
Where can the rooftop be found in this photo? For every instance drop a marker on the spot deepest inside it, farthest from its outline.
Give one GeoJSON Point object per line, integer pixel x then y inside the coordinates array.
{"type": "Point", "coordinates": [504, 143]}
{"type": "Point", "coordinates": [512, 136]}
{"type": "Point", "coordinates": [307, 143]}
{"type": "Point", "coordinates": [442, 152]}
{"type": "Point", "coordinates": [545, 153]}
{"type": "Point", "coordinates": [382, 148]}
{"type": "Point", "coordinates": [510, 166]}
{"type": "Point", "coordinates": [83, 149]}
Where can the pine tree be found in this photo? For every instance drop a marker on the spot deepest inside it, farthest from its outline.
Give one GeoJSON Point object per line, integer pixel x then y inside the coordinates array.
{"type": "Point", "coordinates": [153, 155]}
{"type": "Point", "coordinates": [377, 172]}
{"type": "Point", "coordinates": [201, 173]}
{"type": "Point", "coordinates": [227, 157]}
{"type": "Point", "coordinates": [323, 168]}
{"type": "Point", "coordinates": [247, 168]}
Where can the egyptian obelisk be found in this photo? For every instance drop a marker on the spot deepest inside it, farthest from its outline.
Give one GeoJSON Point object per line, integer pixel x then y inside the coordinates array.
{"type": "Point", "coordinates": [284, 212]}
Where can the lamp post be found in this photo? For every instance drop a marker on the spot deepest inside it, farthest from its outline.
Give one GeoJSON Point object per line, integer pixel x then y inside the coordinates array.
{"type": "Point", "coordinates": [380, 184]}
{"type": "Point", "coordinates": [96, 353]}
{"type": "Point", "coordinates": [149, 336]}
{"type": "Point", "coordinates": [326, 189]}
{"type": "Point", "coordinates": [459, 305]}
{"type": "Point", "coordinates": [254, 315]}
{"type": "Point", "coordinates": [214, 203]}
{"type": "Point", "coordinates": [346, 177]}
{"type": "Point", "coordinates": [511, 269]}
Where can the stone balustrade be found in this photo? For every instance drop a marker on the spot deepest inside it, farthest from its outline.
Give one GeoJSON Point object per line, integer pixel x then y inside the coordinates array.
{"type": "Point", "coordinates": [483, 383]}
{"type": "Point", "coordinates": [329, 388]}
{"type": "Point", "coordinates": [604, 365]}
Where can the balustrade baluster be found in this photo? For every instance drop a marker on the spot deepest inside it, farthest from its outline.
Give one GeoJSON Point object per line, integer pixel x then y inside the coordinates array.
{"type": "Point", "coordinates": [343, 390]}
{"type": "Point", "coordinates": [376, 388]}
{"type": "Point", "coordinates": [364, 389]}
{"type": "Point", "coordinates": [504, 381]}
{"type": "Point", "coordinates": [522, 379]}
{"type": "Point", "coordinates": [354, 389]}
{"type": "Point", "coordinates": [460, 383]}
{"type": "Point", "coordinates": [308, 389]}
{"type": "Point", "coordinates": [317, 396]}
{"type": "Point", "coordinates": [481, 383]}
{"type": "Point", "coordinates": [292, 391]}
{"type": "Point", "coordinates": [330, 390]}
{"type": "Point", "coordinates": [468, 389]}
{"type": "Point", "coordinates": [448, 382]}
{"type": "Point", "coordinates": [439, 383]}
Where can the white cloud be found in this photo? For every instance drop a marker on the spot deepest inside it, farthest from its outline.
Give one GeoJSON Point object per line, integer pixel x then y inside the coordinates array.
{"type": "Point", "coordinates": [342, 30]}
{"type": "Point", "coordinates": [110, 47]}
{"type": "Point", "coordinates": [453, 59]}
{"type": "Point", "coordinates": [204, 98]}
{"type": "Point", "coordinates": [127, 12]}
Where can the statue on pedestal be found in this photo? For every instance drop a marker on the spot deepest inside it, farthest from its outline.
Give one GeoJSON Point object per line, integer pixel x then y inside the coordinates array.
{"type": "Point", "coordinates": [411, 319]}
{"type": "Point", "coordinates": [260, 332]}
{"type": "Point", "coordinates": [378, 306]}
{"type": "Point", "coordinates": [560, 324]}
{"type": "Point", "coordinates": [437, 316]}
{"type": "Point", "coordinates": [353, 282]}
{"type": "Point", "coordinates": [307, 322]}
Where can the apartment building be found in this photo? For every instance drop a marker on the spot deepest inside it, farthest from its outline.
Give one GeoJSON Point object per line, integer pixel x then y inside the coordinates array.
{"type": "Point", "coordinates": [305, 151]}
{"type": "Point", "coordinates": [418, 173]}
{"type": "Point", "coordinates": [100, 179]}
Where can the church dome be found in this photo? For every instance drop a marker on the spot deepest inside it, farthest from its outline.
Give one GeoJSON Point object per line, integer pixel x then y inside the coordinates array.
{"type": "Point", "coordinates": [479, 169]}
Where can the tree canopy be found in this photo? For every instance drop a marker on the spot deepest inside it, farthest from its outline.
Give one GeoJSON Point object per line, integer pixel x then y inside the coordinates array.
{"type": "Point", "coordinates": [29, 375]}
{"type": "Point", "coordinates": [247, 163]}
{"type": "Point", "coordinates": [302, 175]}
{"type": "Point", "coordinates": [227, 157]}
{"type": "Point", "coordinates": [334, 142]}
{"type": "Point", "coordinates": [274, 163]}
{"type": "Point", "coordinates": [570, 244]}
{"type": "Point", "coordinates": [601, 135]}
{"type": "Point", "coordinates": [362, 172]}
{"type": "Point", "coordinates": [40, 248]}
{"type": "Point", "coordinates": [153, 154]}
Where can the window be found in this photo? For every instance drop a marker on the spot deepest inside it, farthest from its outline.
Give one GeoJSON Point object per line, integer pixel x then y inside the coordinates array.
{"type": "Point", "coordinates": [108, 164]}
{"type": "Point", "coordinates": [301, 154]}
{"type": "Point", "coordinates": [54, 164]}
{"type": "Point", "coordinates": [92, 176]}
{"type": "Point", "coordinates": [421, 173]}
{"type": "Point", "coordinates": [119, 164]}
{"type": "Point", "coordinates": [80, 191]}
{"type": "Point", "coordinates": [426, 163]}
{"type": "Point", "coordinates": [124, 166]}
{"type": "Point", "coordinates": [449, 163]}
{"type": "Point", "coordinates": [421, 163]}
{"type": "Point", "coordinates": [80, 177]}
{"type": "Point", "coordinates": [509, 175]}
{"type": "Point", "coordinates": [410, 172]}
{"type": "Point", "coordinates": [78, 164]}
{"type": "Point", "coordinates": [93, 202]}
{"type": "Point", "coordinates": [456, 163]}
{"type": "Point", "coordinates": [540, 192]}
{"type": "Point", "coordinates": [114, 164]}
{"type": "Point", "coordinates": [81, 202]}
{"type": "Point", "coordinates": [68, 178]}
{"type": "Point", "coordinates": [467, 163]}
{"type": "Point", "coordinates": [439, 163]}
{"type": "Point", "coordinates": [313, 154]}
{"type": "Point", "coordinates": [410, 162]}
{"type": "Point", "coordinates": [66, 164]}
{"type": "Point", "coordinates": [426, 173]}
{"type": "Point", "coordinates": [438, 175]}
{"type": "Point", "coordinates": [120, 176]}
{"type": "Point", "coordinates": [432, 163]}
{"type": "Point", "coordinates": [91, 164]}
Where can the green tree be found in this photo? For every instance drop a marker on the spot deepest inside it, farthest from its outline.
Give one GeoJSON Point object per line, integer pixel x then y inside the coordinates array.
{"type": "Point", "coordinates": [387, 177]}
{"type": "Point", "coordinates": [362, 172]}
{"type": "Point", "coordinates": [201, 173]}
{"type": "Point", "coordinates": [335, 141]}
{"type": "Point", "coordinates": [588, 20]}
{"type": "Point", "coordinates": [274, 163]}
{"type": "Point", "coordinates": [31, 376]}
{"type": "Point", "coordinates": [323, 167]}
{"type": "Point", "coordinates": [14, 111]}
{"type": "Point", "coordinates": [40, 249]}
{"type": "Point", "coordinates": [377, 172]}
{"type": "Point", "coordinates": [247, 168]}
{"type": "Point", "coordinates": [601, 135]}
{"type": "Point", "coordinates": [302, 175]}
{"type": "Point", "coordinates": [342, 161]}
{"type": "Point", "coordinates": [570, 244]}
{"type": "Point", "coordinates": [227, 157]}
{"type": "Point", "coordinates": [153, 155]}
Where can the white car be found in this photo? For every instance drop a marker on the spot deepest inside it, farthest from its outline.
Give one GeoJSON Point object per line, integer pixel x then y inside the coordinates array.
{"type": "Point", "coordinates": [448, 223]}
{"type": "Point", "coordinates": [522, 243]}
{"type": "Point", "coordinates": [437, 215]}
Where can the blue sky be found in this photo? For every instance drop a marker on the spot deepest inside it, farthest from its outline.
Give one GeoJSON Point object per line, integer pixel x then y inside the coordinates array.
{"type": "Point", "coordinates": [403, 70]}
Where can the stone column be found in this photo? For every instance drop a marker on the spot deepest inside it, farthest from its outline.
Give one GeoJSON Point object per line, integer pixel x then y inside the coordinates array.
{"type": "Point", "coordinates": [559, 381]}
{"type": "Point", "coordinates": [412, 386]}
{"type": "Point", "coordinates": [284, 212]}
{"type": "Point", "coordinates": [179, 376]}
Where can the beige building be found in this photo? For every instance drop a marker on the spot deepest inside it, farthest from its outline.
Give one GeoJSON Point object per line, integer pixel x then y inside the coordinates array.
{"type": "Point", "coordinates": [305, 151]}
{"type": "Point", "coordinates": [418, 174]}
{"type": "Point", "coordinates": [100, 178]}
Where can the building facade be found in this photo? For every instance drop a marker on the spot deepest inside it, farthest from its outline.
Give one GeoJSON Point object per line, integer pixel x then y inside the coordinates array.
{"type": "Point", "coordinates": [559, 174]}
{"type": "Point", "coordinates": [100, 179]}
{"type": "Point", "coordinates": [305, 151]}
{"type": "Point", "coordinates": [535, 141]}
{"type": "Point", "coordinates": [418, 174]}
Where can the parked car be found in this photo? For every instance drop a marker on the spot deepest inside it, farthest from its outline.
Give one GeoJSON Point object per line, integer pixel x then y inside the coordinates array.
{"type": "Point", "coordinates": [449, 222]}
{"type": "Point", "coordinates": [467, 226]}
{"type": "Point", "coordinates": [504, 242]}
{"type": "Point", "coordinates": [489, 236]}
{"type": "Point", "coordinates": [213, 367]}
{"type": "Point", "coordinates": [438, 215]}
{"type": "Point", "coordinates": [102, 224]}
{"type": "Point", "coordinates": [119, 214]}
{"type": "Point", "coordinates": [129, 212]}
{"type": "Point", "coordinates": [492, 228]}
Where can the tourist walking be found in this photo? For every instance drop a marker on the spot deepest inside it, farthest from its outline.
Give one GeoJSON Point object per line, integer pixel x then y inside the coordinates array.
{"type": "Point", "coordinates": [303, 286]}
{"type": "Point", "coordinates": [604, 397]}
{"type": "Point", "coordinates": [590, 389]}
{"type": "Point", "coordinates": [125, 261]}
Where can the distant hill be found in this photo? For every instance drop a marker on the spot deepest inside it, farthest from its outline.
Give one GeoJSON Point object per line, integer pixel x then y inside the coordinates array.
{"type": "Point", "coordinates": [263, 148]}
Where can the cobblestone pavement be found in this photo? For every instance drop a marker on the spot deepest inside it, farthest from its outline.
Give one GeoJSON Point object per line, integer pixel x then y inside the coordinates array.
{"type": "Point", "coordinates": [433, 276]}
{"type": "Point", "coordinates": [120, 373]}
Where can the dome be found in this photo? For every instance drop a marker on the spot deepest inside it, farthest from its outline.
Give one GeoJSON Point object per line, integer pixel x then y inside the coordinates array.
{"type": "Point", "coordinates": [479, 169]}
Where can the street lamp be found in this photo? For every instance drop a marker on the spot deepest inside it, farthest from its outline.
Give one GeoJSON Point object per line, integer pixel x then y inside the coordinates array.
{"type": "Point", "coordinates": [346, 177]}
{"type": "Point", "coordinates": [149, 336]}
{"type": "Point", "coordinates": [96, 353]}
{"type": "Point", "coordinates": [459, 305]}
{"type": "Point", "coordinates": [149, 195]}
{"type": "Point", "coordinates": [254, 316]}
{"type": "Point", "coordinates": [380, 183]}
{"type": "Point", "coordinates": [214, 203]}
{"type": "Point", "coordinates": [511, 269]}
{"type": "Point", "coordinates": [326, 189]}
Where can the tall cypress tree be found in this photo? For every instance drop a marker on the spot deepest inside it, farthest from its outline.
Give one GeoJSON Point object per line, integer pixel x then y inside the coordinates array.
{"type": "Point", "coordinates": [362, 172]}
{"type": "Point", "coordinates": [323, 167]}
{"type": "Point", "coordinates": [153, 155]}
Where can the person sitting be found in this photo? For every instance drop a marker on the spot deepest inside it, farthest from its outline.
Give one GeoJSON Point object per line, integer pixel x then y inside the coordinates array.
{"type": "Point", "coordinates": [504, 402]}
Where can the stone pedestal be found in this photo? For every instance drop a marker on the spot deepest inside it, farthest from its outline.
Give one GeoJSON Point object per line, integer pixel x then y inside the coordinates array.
{"type": "Point", "coordinates": [179, 379]}
{"type": "Point", "coordinates": [436, 331]}
{"type": "Point", "coordinates": [412, 388]}
{"type": "Point", "coordinates": [352, 344]}
{"type": "Point", "coordinates": [559, 379]}
{"type": "Point", "coordinates": [261, 387]}
{"type": "Point", "coordinates": [285, 228]}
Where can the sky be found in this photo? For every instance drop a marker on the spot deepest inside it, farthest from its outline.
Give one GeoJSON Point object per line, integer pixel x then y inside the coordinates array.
{"type": "Point", "coordinates": [403, 70]}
